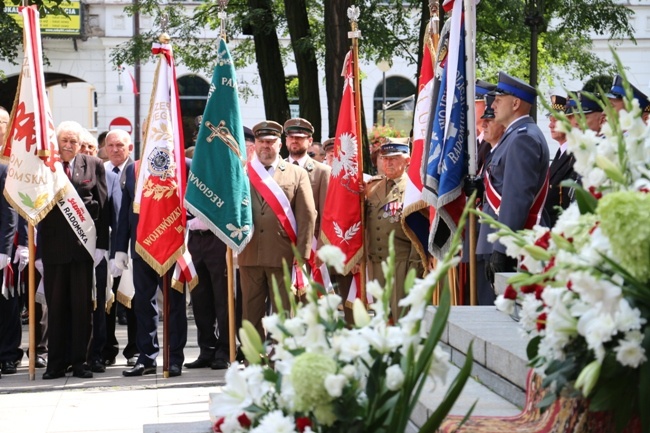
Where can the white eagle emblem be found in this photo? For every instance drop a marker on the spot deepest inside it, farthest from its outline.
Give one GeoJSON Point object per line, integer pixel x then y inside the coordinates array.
{"type": "Point", "coordinates": [345, 162]}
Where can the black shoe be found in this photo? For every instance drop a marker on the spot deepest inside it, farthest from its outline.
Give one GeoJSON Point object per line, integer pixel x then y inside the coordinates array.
{"type": "Point", "coordinates": [53, 375]}
{"type": "Point", "coordinates": [40, 362]}
{"type": "Point", "coordinates": [174, 370]}
{"type": "Point", "coordinates": [97, 367]}
{"type": "Point", "coordinates": [109, 361]}
{"type": "Point", "coordinates": [219, 364]}
{"type": "Point", "coordinates": [8, 367]}
{"type": "Point", "coordinates": [82, 372]}
{"type": "Point", "coordinates": [240, 357]}
{"type": "Point", "coordinates": [199, 363]}
{"type": "Point", "coordinates": [139, 370]}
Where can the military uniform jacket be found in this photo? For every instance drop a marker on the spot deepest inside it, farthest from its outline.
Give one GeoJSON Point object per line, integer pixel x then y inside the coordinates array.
{"type": "Point", "coordinates": [58, 244]}
{"type": "Point", "coordinates": [517, 170]}
{"type": "Point", "coordinates": [384, 205]}
{"type": "Point", "coordinates": [561, 169]}
{"type": "Point", "coordinates": [270, 243]}
{"type": "Point", "coordinates": [319, 179]}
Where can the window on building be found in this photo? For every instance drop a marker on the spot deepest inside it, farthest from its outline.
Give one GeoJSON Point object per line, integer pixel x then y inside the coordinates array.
{"type": "Point", "coordinates": [400, 94]}
{"type": "Point", "coordinates": [193, 95]}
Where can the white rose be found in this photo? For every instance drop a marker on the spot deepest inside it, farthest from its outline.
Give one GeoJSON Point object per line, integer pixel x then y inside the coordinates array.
{"type": "Point", "coordinates": [394, 377]}
{"type": "Point", "coordinates": [334, 384]}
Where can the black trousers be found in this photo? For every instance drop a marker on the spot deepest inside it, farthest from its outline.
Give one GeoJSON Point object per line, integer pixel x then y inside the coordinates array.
{"type": "Point", "coordinates": [145, 305]}
{"type": "Point", "coordinates": [210, 296]}
{"type": "Point", "coordinates": [68, 289]}
{"type": "Point", "coordinates": [112, 347]}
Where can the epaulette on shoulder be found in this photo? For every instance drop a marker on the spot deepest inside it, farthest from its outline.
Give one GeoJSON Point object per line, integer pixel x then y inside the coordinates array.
{"type": "Point", "coordinates": [522, 129]}
{"type": "Point", "coordinates": [375, 178]}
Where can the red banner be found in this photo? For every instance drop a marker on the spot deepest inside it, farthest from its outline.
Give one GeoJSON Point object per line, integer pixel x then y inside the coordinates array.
{"type": "Point", "coordinates": [341, 224]}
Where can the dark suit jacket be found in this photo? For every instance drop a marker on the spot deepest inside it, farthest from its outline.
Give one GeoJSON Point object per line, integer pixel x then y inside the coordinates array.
{"type": "Point", "coordinates": [8, 217]}
{"type": "Point", "coordinates": [57, 243]}
{"type": "Point", "coordinates": [517, 171]}
{"type": "Point", "coordinates": [561, 169]}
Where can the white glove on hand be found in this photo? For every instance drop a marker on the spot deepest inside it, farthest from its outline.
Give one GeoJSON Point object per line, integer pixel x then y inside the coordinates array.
{"type": "Point", "coordinates": [122, 260]}
{"type": "Point", "coordinates": [38, 264]}
{"type": "Point", "coordinates": [4, 260]}
{"type": "Point", "coordinates": [113, 269]}
{"type": "Point", "coordinates": [99, 255]}
{"type": "Point", "coordinates": [21, 257]}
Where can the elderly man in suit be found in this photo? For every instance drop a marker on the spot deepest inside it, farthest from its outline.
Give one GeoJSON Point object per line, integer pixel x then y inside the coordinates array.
{"type": "Point", "coordinates": [516, 177]}
{"type": "Point", "coordinates": [274, 184]}
{"type": "Point", "coordinates": [68, 266]}
{"type": "Point", "coordinates": [118, 148]}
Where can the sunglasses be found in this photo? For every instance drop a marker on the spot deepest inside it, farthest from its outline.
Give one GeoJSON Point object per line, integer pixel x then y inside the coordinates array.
{"type": "Point", "coordinates": [311, 154]}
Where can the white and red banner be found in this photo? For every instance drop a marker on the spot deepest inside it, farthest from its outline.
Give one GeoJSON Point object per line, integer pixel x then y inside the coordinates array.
{"type": "Point", "coordinates": [36, 181]}
{"type": "Point", "coordinates": [160, 185]}
{"type": "Point", "coordinates": [415, 222]}
{"type": "Point", "coordinates": [341, 224]}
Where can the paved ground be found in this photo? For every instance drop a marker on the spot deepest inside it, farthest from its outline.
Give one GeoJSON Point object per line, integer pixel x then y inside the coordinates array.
{"type": "Point", "coordinates": [109, 402]}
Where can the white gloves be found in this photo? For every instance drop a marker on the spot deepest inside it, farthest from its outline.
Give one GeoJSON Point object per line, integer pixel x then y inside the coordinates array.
{"type": "Point", "coordinates": [4, 260]}
{"type": "Point", "coordinates": [113, 269]}
{"type": "Point", "coordinates": [99, 255]}
{"type": "Point", "coordinates": [21, 257]}
{"type": "Point", "coordinates": [122, 260]}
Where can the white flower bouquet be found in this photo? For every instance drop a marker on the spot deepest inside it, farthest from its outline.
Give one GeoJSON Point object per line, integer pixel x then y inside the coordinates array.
{"type": "Point", "coordinates": [323, 377]}
{"type": "Point", "coordinates": [584, 285]}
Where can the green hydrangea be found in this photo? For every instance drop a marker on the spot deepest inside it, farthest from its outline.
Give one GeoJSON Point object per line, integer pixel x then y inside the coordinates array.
{"type": "Point", "coordinates": [308, 378]}
{"type": "Point", "coordinates": [624, 219]}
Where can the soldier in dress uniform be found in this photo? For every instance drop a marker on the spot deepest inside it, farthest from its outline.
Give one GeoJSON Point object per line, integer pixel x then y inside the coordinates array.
{"type": "Point", "coordinates": [328, 147]}
{"type": "Point", "coordinates": [516, 177]}
{"type": "Point", "coordinates": [559, 197]}
{"type": "Point", "coordinates": [617, 92]}
{"type": "Point", "coordinates": [592, 111]}
{"type": "Point", "coordinates": [384, 202]}
{"type": "Point", "coordinates": [273, 180]}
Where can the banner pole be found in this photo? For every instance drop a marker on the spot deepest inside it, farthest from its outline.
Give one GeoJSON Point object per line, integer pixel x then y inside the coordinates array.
{"type": "Point", "coordinates": [355, 34]}
{"type": "Point", "coordinates": [470, 68]}
{"type": "Point", "coordinates": [166, 309]}
{"type": "Point", "coordinates": [231, 303]}
{"type": "Point", "coordinates": [31, 299]}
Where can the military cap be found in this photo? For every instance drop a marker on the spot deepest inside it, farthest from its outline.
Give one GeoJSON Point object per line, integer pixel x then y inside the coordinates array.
{"type": "Point", "coordinates": [588, 105]}
{"type": "Point", "coordinates": [393, 148]}
{"type": "Point", "coordinates": [299, 127]}
{"type": "Point", "coordinates": [248, 134]}
{"type": "Point", "coordinates": [513, 86]}
{"type": "Point", "coordinates": [488, 113]}
{"type": "Point", "coordinates": [267, 129]}
{"type": "Point", "coordinates": [328, 144]}
{"type": "Point", "coordinates": [618, 92]}
{"type": "Point", "coordinates": [558, 103]}
{"type": "Point", "coordinates": [483, 88]}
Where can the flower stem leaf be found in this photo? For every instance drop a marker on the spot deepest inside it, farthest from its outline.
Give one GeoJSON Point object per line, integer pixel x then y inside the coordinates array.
{"type": "Point", "coordinates": [587, 203]}
{"type": "Point", "coordinates": [434, 421]}
{"type": "Point", "coordinates": [532, 349]}
{"type": "Point", "coordinates": [644, 384]}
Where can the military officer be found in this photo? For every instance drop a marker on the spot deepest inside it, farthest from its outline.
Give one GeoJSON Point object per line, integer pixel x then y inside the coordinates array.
{"type": "Point", "coordinates": [592, 111]}
{"type": "Point", "coordinates": [328, 147]}
{"type": "Point", "coordinates": [274, 184]}
{"type": "Point", "coordinates": [299, 137]}
{"type": "Point", "coordinates": [516, 176]}
{"type": "Point", "coordinates": [384, 202]}
{"type": "Point", "coordinates": [559, 197]}
{"type": "Point", "coordinates": [617, 92]}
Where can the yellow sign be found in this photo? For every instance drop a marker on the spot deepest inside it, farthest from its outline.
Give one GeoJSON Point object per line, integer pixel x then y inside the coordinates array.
{"type": "Point", "coordinates": [53, 25]}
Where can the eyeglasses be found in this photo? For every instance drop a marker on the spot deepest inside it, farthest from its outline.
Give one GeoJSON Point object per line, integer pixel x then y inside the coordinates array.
{"type": "Point", "coordinates": [311, 154]}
